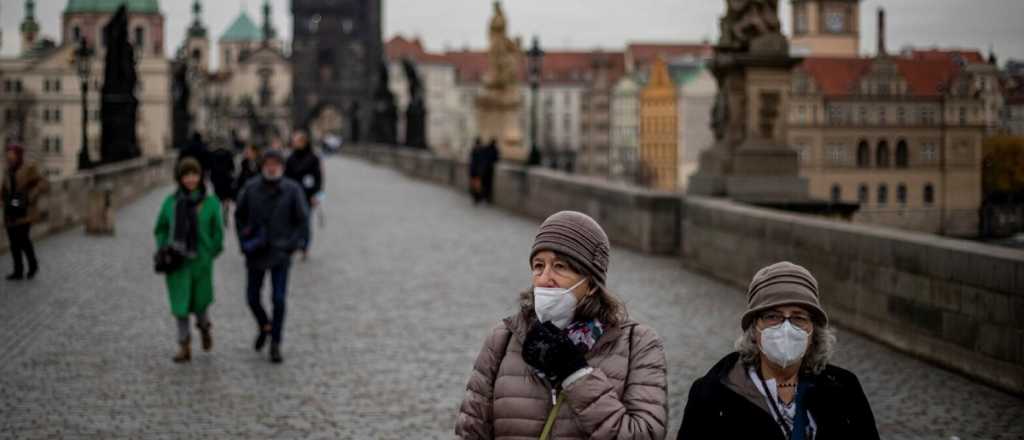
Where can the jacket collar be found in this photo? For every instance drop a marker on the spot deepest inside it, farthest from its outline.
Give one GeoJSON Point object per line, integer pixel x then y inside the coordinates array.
{"type": "Point", "coordinates": [732, 373]}
{"type": "Point", "coordinates": [520, 323]}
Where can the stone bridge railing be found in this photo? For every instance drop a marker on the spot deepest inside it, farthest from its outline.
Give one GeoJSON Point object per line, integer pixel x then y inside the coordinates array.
{"type": "Point", "coordinates": [66, 205]}
{"type": "Point", "coordinates": [955, 303]}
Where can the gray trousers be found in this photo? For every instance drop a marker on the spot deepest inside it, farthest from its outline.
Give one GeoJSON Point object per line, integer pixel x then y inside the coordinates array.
{"type": "Point", "coordinates": [202, 320]}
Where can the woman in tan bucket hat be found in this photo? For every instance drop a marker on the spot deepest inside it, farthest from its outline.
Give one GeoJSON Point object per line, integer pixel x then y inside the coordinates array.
{"type": "Point", "coordinates": [779, 384]}
{"type": "Point", "coordinates": [570, 364]}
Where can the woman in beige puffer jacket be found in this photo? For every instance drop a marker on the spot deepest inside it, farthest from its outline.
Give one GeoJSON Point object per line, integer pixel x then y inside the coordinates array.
{"type": "Point", "coordinates": [571, 343]}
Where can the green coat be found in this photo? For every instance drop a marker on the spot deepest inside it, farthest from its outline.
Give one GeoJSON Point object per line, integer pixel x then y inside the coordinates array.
{"type": "Point", "coordinates": [190, 288]}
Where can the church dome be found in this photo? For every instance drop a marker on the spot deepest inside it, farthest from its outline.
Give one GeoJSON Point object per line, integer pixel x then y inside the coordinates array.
{"type": "Point", "coordinates": [109, 6]}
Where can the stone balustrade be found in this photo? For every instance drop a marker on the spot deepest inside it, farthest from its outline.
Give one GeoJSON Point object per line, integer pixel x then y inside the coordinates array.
{"type": "Point", "coordinates": [955, 303]}
{"type": "Point", "coordinates": [66, 205]}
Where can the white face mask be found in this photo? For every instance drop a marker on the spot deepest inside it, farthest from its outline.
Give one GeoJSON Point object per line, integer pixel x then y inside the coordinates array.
{"type": "Point", "coordinates": [555, 304]}
{"type": "Point", "coordinates": [784, 344]}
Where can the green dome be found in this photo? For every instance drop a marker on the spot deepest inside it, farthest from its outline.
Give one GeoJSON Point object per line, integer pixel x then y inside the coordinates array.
{"type": "Point", "coordinates": [243, 29]}
{"type": "Point", "coordinates": [138, 6]}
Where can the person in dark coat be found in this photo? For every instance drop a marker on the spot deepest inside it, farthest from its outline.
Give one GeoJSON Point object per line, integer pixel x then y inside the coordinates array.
{"type": "Point", "coordinates": [490, 158]}
{"type": "Point", "coordinates": [222, 176]}
{"type": "Point", "coordinates": [197, 150]}
{"type": "Point", "coordinates": [22, 188]}
{"type": "Point", "coordinates": [779, 384]}
{"type": "Point", "coordinates": [476, 159]}
{"type": "Point", "coordinates": [248, 168]}
{"type": "Point", "coordinates": [303, 166]}
{"type": "Point", "coordinates": [271, 219]}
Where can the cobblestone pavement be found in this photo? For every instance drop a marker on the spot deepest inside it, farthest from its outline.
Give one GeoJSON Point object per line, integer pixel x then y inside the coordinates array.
{"type": "Point", "coordinates": [384, 322]}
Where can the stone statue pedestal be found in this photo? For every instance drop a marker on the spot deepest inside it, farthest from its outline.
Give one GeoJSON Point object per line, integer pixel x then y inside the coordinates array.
{"type": "Point", "coordinates": [750, 160]}
{"type": "Point", "coordinates": [498, 119]}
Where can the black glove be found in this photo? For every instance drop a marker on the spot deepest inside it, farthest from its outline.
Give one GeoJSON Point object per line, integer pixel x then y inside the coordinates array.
{"type": "Point", "coordinates": [550, 351]}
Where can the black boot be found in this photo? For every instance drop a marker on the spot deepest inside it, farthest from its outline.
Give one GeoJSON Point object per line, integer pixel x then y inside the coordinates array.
{"type": "Point", "coordinates": [32, 271]}
{"type": "Point", "coordinates": [275, 353]}
{"type": "Point", "coordinates": [17, 276]}
{"type": "Point", "coordinates": [261, 338]}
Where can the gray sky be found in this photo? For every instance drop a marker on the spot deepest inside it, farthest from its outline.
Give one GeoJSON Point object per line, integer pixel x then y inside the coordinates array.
{"type": "Point", "coordinates": [609, 24]}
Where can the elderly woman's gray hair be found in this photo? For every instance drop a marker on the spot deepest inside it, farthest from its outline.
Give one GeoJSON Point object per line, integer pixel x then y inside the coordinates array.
{"type": "Point", "coordinates": [818, 355]}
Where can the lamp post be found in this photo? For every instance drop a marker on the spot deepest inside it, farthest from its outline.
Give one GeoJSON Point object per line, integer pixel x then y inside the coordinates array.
{"type": "Point", "coordinates": [534, 60]}
{"type": "Point", "coordinates": [83, 66]}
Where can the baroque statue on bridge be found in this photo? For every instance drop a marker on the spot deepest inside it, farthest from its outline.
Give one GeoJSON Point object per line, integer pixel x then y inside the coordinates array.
{"type": "Point", "coordinates": [746, 20]}
{"type": "Point", "coordinates": [498, 106]}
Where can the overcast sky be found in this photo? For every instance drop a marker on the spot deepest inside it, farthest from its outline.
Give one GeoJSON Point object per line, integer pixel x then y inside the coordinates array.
{"type": "Point", "coordinates": [609, 24]}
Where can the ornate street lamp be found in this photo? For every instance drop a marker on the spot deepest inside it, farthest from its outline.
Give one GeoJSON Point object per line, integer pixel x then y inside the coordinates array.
{"type": "Point", "coordinates": [534, 61]}
{"type": "Point", "coordinates": [83, 66]}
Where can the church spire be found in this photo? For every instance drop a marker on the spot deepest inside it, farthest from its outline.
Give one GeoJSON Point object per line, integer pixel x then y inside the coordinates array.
{"type": "Point", "coordinates": [29, 26]}
{"type": "Point", "coordinates": [268, 29]}
{"type": "Point", "coordinates": [197, 29]}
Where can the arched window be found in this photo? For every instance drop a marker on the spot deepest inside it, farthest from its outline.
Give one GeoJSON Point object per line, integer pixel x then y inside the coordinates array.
{"type": "Point", "coordinates": [196, 55]}
{"type": "Point", "coordinates": [883, 194]}
{"type": "Point", "coordinates": [837, 193]}
{"type": "Point", "coordinates": [929, 194]}
{"type": "Point", "coordinates": [882, 155]}
{"type": "Point", "coordinates": [862, 193]}
{"type": "Point", "coordinates": [902, 154]}
{"type": "Point", "coordinates": [901, 194]}
{"type": "Point", "coordinates": [76, 33]}
{"type": "Point", "coordinates": [863, 154]}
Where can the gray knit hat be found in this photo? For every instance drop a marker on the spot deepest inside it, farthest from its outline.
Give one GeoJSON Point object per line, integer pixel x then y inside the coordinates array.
{"type": "Point", "coordinates": [783, 283]}
{"type": "Point", "coordinates": [576, 236]}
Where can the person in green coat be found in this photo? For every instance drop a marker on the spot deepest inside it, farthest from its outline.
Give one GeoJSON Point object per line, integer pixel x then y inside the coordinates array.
{"type": "Point", "coordinates": [191, 220]}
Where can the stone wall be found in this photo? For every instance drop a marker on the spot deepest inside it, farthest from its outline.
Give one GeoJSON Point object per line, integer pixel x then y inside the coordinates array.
{"type": "Point", "coordinates": [955, 303]}
{"type": "Point", "coordinates": [66, 204]}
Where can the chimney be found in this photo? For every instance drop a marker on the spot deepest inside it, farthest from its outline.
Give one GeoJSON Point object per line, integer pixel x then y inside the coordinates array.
{"type": "Point", "coordinates": [881, 32]}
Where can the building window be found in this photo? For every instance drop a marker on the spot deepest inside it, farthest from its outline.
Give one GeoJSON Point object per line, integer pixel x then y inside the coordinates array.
{"type": "Point", "coordinates": [901, 116]}
{"type": "Point", "coordinates": [863, 111]}
{"type": "Point", "coordinates": [863, 154]}
{"type": "Point", "coordinates": [901, 194]}
{"type": "Point", "coordinates": [140, 37]}
{"type": "Point", "coordinates": [800, 25]}
{"type": "Point", "coordinates": [836, 154]}
{"type": "Point", "coordinates": [835, 114]}
{"type": "Point", "coordinates": [882, 155]}
{"type": "Point", "coordinates": [963, 115]}
{"type": "Point", "coordinates": [862, 193]}
{"type": "Point", "coordinates": [837, 193]}
{"type": "Point", "coordinates": [883, 194]}
{"type": "Point", "coordinates": [928, 152]}
{"type": "Point", "coordinates": [902, 159]}
{"type": "Point", "coordinates": [881, 116]}
{"type": "Point", "coordinates": [929, 194]}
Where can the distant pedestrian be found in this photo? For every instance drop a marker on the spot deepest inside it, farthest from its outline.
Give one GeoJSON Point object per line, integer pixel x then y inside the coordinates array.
{"type": "Point", "coordinates": [490, 157]}
{"type": "Point", "coordinates": [22, 188]}
{"type": "Point", "coordinates": [198, 150]}
{"type": "Point", "coordinates": [779, 383]}
{"type": "Point", "coordinates": [476, 164]}
{"type": "Point", "coordinates": [248, 168]}
{"type": "Point", "coordinates": [570, 364]}
{"type": "Point", "coordinates": [222, 176]}
{"type": "Point", "coordinates": [190, 221]}
{"type": "Point", "coordinates": [304, 167]}
{"type": "Point", "coordinates": [271, 219]}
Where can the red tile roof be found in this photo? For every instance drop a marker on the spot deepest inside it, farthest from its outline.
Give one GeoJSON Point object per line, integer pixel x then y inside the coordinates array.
{"type": "Point", "coordinates": [969, 56]}
{"type": "Point", "coordinates": [643, 54]}
{"type": "Point", "coordinates": [926, 72]}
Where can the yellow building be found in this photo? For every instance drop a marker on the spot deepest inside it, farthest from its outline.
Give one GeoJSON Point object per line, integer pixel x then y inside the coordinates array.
{"type": "Point", "coordinates": [659, 134]}
{"type": "Point", "coordinates": [826, 27]}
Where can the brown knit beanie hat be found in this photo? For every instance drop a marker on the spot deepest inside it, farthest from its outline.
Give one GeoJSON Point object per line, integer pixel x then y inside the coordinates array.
{"type": "Point", "coordinates": [189, 165]}
{"type": "Point", "coordinates": [576, 236]}
{"type": "Point", "coordinates": [783, 283]}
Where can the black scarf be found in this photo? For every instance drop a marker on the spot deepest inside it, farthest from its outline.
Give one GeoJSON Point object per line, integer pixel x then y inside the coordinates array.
{"type": "Point", "coordinates": [186, 218]}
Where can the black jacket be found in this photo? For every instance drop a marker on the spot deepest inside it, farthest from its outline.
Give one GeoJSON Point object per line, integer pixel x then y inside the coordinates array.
{"type": "Point", "coordinates": [716, 410]}
{"type": "Point", "coordinates": [247, 170]}
{"type": "Point", "coordinates": [222, 172]}
{"type": "Point", "coordinates": [281, 210]}
{"type": "Point", "coordinates": [303, 166]}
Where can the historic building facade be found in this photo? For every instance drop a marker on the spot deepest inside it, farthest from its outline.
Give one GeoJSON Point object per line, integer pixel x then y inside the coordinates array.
{"type": "Point", "coordinates": [337, 52]}
{"type": "Point", "coordinates": [901, 136]}
{"type": "Point", "coordinates": [40, 94]}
